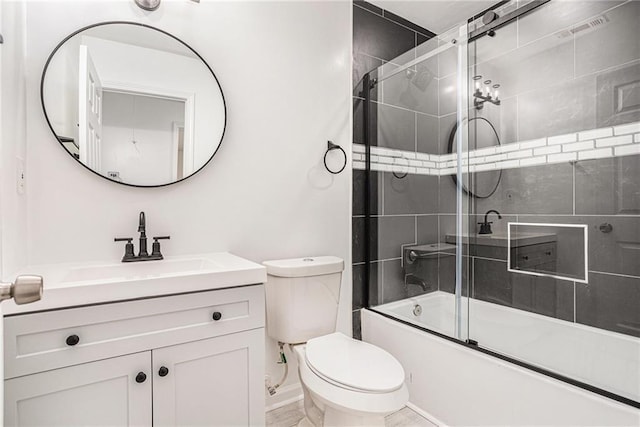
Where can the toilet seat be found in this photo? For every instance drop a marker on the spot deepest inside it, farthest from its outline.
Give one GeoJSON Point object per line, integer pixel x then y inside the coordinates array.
{"type": "Point", "coordinates": [353, 364]}
{"type": "Point", "coordinates": [345, 398]}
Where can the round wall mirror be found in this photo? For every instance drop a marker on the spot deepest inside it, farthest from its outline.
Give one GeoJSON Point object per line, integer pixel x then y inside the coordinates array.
{"type": "Point", "coordinates": [133, 104]}
{"type": "Point", "coordinates": [482, 134]}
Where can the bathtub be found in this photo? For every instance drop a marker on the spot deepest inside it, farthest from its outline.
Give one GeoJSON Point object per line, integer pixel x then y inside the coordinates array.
{"type": "Point", "coordinates": [455, 385]}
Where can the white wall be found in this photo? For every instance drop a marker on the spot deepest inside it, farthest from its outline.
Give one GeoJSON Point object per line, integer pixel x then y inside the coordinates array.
{"type": "Point", "coordinates": [62, 97]}
{"type": "Point", "coordinates": [285, 70]}
{"type": "Point", "coordinates": [13, 206]}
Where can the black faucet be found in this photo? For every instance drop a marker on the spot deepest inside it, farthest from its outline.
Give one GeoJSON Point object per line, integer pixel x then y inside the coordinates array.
{"type": "Point", "coordinates": [142, 229]}
{"type": "Point", "coordinates": [485, 227]}
{"type": "Point", "coordinates": [143, 254]}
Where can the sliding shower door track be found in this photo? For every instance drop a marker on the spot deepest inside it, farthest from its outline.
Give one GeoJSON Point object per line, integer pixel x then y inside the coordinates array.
{"type": "Point", "coordinates": [504, 20]}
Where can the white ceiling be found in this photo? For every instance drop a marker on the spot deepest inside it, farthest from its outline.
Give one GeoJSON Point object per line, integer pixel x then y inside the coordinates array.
{"type": "Point", "coordinates": [437, 16]}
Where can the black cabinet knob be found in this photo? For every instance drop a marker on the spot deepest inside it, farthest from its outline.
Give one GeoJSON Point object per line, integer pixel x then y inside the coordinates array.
{"type": "Point", "coordinates": [217, 315]}
{"type": "Point", "coordinates": [73, 340]}
{"type": "Point", "coordinates": [163, 371]}
{"type": "Point", "coordinates": [141, 377]}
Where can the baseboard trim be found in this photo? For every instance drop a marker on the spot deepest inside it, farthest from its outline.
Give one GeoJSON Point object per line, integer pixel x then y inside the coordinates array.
{"type": "Point", "coordinates": [425, 414]}
{"type": "Point", "coordinates": [284, 396]}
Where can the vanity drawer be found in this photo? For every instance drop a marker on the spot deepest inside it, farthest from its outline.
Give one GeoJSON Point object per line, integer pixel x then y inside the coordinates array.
{"type": "Point", "coordinates": [533, 255]}
{"type": "Point", "coordinates": [42, 341]}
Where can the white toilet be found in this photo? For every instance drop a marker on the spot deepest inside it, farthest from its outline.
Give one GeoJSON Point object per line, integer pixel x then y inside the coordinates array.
{"type": "Point", "coordinates": [346, 382]}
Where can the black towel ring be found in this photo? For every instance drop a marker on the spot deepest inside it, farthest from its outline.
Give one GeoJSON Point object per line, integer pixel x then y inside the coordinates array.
{"type": "Point", "coordinates": [332, 146]}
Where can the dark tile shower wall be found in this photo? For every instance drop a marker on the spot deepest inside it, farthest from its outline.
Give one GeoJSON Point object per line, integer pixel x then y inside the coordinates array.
{"type": "Point", "coordinates": [553, 84]}
{"type": "Point", "coordinates": [380, 36]}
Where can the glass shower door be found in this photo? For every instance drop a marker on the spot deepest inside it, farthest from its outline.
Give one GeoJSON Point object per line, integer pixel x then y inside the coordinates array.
{"type": "Point", "coordinates": [554, 125]}
{"type": "Point", "coordinates": [415, 272]}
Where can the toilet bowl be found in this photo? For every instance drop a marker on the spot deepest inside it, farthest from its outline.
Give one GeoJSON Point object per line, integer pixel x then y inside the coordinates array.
{"type": "Point", "coordinates": [347, 382]}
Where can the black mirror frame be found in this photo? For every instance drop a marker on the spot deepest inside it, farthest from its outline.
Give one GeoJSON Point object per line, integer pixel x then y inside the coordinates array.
{"type": "Point", "coordinates": [44, 110]}
{"type": "Point", "coordinates": [452, 136]}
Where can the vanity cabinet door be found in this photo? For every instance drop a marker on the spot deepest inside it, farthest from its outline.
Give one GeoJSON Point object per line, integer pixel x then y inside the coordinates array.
{"type": "Point", "coordinates": [108, 392]}
{"type": "Point", "coordinates": [212, 382]}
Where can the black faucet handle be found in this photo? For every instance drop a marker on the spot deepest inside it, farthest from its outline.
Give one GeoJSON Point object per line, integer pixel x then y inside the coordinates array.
{"type": "Point", "coordinates": [155, 252]}
{"type": "Point", "coordinates": [128, 248]}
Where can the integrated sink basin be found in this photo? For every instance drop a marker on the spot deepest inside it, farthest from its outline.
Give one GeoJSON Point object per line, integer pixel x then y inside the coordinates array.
{"type": "Point", "coordinates": [76, 284]}
{"type": "Point", "coordinates": [141, 270]}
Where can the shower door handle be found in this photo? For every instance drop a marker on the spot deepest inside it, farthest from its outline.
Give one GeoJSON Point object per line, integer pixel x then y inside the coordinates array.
{"type": "Point", "coordinates": [24, 290]}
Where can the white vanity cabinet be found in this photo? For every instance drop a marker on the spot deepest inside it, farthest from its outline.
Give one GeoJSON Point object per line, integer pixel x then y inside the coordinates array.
{"type": "Point", "coordinates": [188, 359]}
{"type": "Point", "coordinates": [208, 382]}
{"type": "Point", "coordinates": [97, 393]}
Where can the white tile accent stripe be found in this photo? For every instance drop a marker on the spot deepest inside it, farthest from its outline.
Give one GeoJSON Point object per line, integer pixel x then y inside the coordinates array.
{"type": "Point", "coordinates": [596, 133]}
{"type": "Point", "coordinates": [627, 150]}
{"type": "Point", "coordinates": [621, 140]}
{"type": "Point", "coordinates": [561, 139]}
{"type": "Point", "coordinates": [628, 128]}
{"type": "Point", "coordinates": [614, 140]}
{"type": "Point", "coordinates": [600, 153]}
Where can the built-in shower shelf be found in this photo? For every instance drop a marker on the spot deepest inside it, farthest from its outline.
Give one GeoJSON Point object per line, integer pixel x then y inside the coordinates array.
{"type": "Point", "coordinates": [501, 240]}
{"type": "Point", "coordinates": [607, 142]}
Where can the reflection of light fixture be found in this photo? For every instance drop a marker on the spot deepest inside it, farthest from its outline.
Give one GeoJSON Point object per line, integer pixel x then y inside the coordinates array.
{"type": "Point", "coordinates": [480, 98]}
{"type": "Point", "coordinates": [477, 78]}
{"type": "Point", "coordinates": [149, 5]}
{"type": "Point", "coordinates": [152, 5]}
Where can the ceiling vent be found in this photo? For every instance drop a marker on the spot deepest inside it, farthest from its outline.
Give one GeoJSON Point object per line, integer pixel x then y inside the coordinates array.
{"type": "Point", "coordinates": [588, 26]}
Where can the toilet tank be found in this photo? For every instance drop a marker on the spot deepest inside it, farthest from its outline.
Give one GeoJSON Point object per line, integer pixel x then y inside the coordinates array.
{"type": "Point", "coordinates": [302, 297]}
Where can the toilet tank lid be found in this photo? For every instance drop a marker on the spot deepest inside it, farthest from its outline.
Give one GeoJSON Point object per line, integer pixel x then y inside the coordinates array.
{"type": "Point", "coordinates": [304, 267]}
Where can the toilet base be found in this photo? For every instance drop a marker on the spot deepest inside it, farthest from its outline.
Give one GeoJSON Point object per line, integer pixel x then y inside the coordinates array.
{"type": "Point", "coordinates": [318, 414]}
{"type": "Point", "coordinates": [328, 405]}
{"type": "Point", "coordinates": [334, 418]}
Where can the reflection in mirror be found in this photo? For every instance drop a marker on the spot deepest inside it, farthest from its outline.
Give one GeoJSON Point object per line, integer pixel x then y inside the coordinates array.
{"type": "Point", "coordinates": [556, 250]}
{"type": "Point", "coordinates": [133, 104]}
{"type": "Point", "coordinates": [482, 134]}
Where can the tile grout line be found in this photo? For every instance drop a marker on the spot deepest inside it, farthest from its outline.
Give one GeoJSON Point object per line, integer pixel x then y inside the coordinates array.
{"type": "Point", "coordinates": [606, 273]}
{"type": "Point", "coordinates": [398, 107]}
{"type": "Point", "coordinates": [573, 187]}
{"type": "Point", "coordinates": [575, 316]}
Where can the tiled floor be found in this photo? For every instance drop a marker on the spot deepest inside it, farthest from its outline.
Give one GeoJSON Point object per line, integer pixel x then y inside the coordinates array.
{"type": "Point", "coordinates": [289, 415]}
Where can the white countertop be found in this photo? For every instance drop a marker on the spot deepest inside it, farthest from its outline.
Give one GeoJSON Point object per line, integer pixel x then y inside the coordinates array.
{"type": "Point", "coordinates": [74, 284]}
